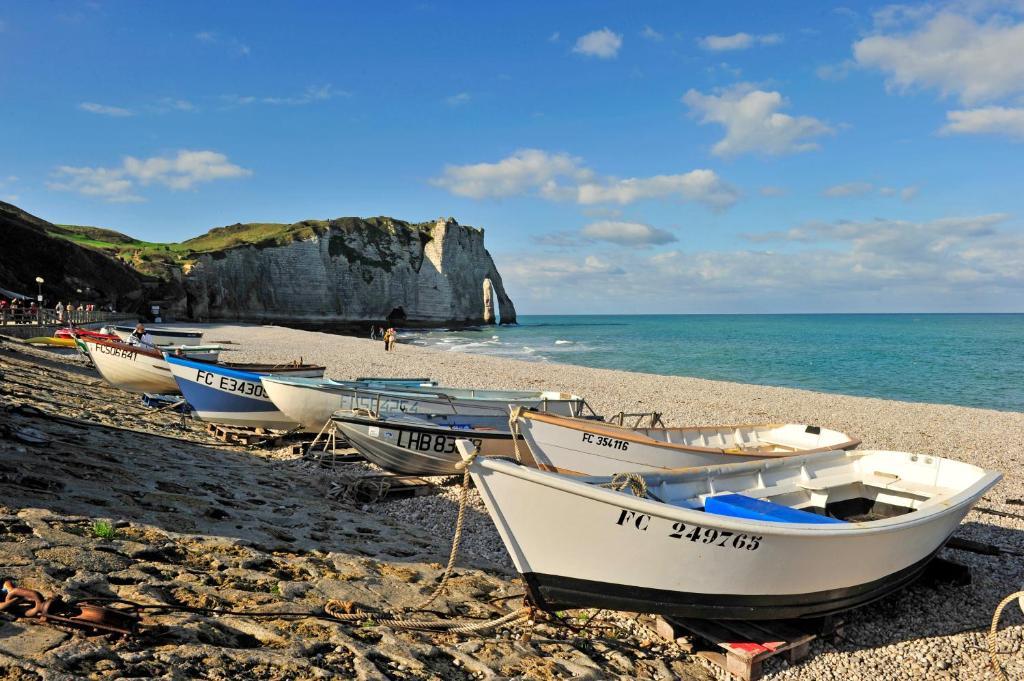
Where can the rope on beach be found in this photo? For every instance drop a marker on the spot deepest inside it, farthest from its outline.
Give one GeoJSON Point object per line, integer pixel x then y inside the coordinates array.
{"type": "Point", "coordinates": [398, 619]}
{"type": "Point", "coordinates": [995, 626]}
{"type": "Point", "coordinates": [451, 626]}
{"type": "Point", "coordinates": [457, 539]}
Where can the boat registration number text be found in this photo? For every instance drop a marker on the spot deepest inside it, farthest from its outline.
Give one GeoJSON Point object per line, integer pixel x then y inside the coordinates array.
{"type": "Point", "coordinates": [428, 442]}
{"type": "Point", "coordinates": [693, 533]}
{"type": "Point", "coordinates": [117, 352]}
{"type": "Point", "coordinates": [230, 385]}
{"type": "Point", "coordinates": [602, 441]}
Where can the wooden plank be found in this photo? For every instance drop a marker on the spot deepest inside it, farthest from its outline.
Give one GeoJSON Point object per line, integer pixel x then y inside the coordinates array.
{"type": "Point", "coordinates": [744, 645]}
{"type": "Point", "coordinates": [773, 641]}
{"type": "Point", "coordinates": [715, 632]}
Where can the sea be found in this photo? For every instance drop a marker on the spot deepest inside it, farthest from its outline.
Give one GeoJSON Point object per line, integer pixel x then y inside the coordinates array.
{"type": "Point", "coordinates": [974, 360]}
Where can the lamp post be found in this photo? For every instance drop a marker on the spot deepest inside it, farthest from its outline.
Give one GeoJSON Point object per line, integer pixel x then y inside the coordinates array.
{"type": "Point", "coordinates": [39, 301]}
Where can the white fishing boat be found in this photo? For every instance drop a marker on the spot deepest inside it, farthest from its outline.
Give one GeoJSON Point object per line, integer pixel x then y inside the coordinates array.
{"type": "Point", "coordinates": [587, 447]}
{"type": "Point", "coordinates": [311, 402]}
{"type": "Point", "coordinates": [161, 335]}
{"type": "Point", "coordinates": [422, 444]}
{"type": "Point", "coordinates": [130, 367]}
{"type": "Point", "coordinates": [791, 537]}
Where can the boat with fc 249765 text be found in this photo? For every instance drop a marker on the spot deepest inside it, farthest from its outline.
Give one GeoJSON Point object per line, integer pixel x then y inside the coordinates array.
{"type": "Point", "coordinates": [789, 537]}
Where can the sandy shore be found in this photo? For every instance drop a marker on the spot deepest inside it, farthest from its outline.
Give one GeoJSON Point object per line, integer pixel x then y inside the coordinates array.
{"type": "Point", "coordinates": [313, 548]}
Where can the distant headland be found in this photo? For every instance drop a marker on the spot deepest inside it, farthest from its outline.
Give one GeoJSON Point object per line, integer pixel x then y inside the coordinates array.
{"type": "Point", "coordinates": [335, 274]}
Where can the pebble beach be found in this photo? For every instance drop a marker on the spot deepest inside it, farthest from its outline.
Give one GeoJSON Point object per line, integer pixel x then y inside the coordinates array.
{"type": "Point", "coordinates": [194, 531]}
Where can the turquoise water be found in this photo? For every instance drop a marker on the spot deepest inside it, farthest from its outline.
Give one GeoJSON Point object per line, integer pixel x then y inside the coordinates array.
{"type": "Point", "coordinates": [973, 360]}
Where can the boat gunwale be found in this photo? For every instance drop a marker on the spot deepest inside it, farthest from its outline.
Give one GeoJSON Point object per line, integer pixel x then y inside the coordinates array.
{"type": "Point", "coordinates": [583, 487]}
{"type": "Point", "coordinates": [630, 435]}
{"type": "Point", "coordinates": [436, 392]}
{"type": "Point", "coordinates": [438, 430]}
{"type": "Point", "coordinates": [163, 331]}
{"type": "Point", "coordinates": [253, 373]}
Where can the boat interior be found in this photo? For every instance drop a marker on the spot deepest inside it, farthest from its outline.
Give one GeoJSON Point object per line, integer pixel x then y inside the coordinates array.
{"type": "Point", "coordinates": [497, 423]}
{"type": "Point", "coordinates": [828, 487]}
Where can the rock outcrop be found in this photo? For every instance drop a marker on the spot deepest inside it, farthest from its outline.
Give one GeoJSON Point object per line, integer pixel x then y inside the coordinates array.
{"type": "Point", "coordinates": [348, 271]}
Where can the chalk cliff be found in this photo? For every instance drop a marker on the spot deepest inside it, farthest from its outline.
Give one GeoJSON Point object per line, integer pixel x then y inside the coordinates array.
{"type": "Point", "coordinates": [347, 271]}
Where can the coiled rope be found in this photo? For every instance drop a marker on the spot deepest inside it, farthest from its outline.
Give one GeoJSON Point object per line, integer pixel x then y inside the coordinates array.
{"type": "Point", "coordinates": [513, 426]}
{"type": "Point", "coordinates": [995, 626]}
{"type": "Point", "coordinates": [634, 481]}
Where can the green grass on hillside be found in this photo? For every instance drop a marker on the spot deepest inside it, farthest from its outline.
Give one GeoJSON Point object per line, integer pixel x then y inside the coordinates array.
{"type": "Point", "coordinates": [156, 259]}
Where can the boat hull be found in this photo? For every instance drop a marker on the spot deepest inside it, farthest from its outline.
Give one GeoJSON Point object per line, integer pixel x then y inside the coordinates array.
{"type": "Point", "coordinates": [130, 368]}
{"type": "Point", "coordinates": [312, 405]}
{"type": "Point", "coordinates": [415, 449]}
{"type": "Point", "coordinates": [220, 394]}
{"type": "Point", "coordinates": [594, 448]}
{"type": "Point", "coordinates": [581, 546]}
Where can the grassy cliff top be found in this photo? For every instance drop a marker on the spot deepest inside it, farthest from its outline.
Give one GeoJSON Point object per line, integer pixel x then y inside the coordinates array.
{"type": "Point", "coordinates": [155, 258]}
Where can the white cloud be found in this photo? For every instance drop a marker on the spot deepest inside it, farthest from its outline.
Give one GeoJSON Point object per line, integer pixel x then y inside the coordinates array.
{"type": "Point", "coordinates": [312, 94]}
{"type": "Point", "coordinates": [861, 189]}
{"type": "Point", "coordinates": [184, 170]}
{"type": "Point", "coordinates": [120, 184]}
{"type": "Point", "coordinates": [753, 123]}
{"type": "Point", "coordinates": [176, 104]}
{"type": "Point", "coordinates": [835, 72]}
{"type": "Point", "coordinates": [975, 59]}
{"type": "Point", "coordinates": [737, 41]}
{"type": "Point", "coordinates": [524, 171]}
{"type": "Point", "coordinates": [561, 177]}
{"type": "Point", "coordinates": [957, 263]}
{"type": "Point", "coordinates": [627, 233]}
{"type": "Point", "coordinates": [458, 99]}
{"type": "Point", "coordinates": [603, 44]}
{"type": "Point", "coordinates": [214, 38]}
{"type": "Point", "coordinates": [109, 184]}
{"type": "Point", "coordinates": [849, 189]}
{"type": "Point", "coordinates": [905, 193]}
{"type": "Point", "coordinates": [554, 37]}
{"type": "Point", "coordinates": [104, 110]}
{"type": "Point", "coordinates": [990, 120]}
{"type": "Point", "coordinates": [650, 34]}
{"type": "Point", "coordinates": [697, 185]}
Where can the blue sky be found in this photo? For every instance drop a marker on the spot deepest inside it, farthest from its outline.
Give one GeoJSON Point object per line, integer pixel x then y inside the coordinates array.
{"type": "Point", "coordinates": [623, 157]}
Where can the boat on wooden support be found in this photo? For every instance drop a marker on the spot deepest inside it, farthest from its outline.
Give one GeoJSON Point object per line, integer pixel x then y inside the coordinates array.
{"type": "Point", "coordinates": [311, 402]}
{"type": "Point", "coordinates": [231, 393]}
{"type": "Point", "coordinates": [588, 447]}
{"type": "Point", "coordinates": [781, 538]}
{"type": "Point", "coordinates": [134, 368]}
{"type": "Point", "coordinates": [422, 444]}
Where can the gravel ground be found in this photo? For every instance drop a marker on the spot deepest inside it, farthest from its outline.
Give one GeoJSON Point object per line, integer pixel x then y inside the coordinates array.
{"type": "Point", "coordinates": [917, 633]}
